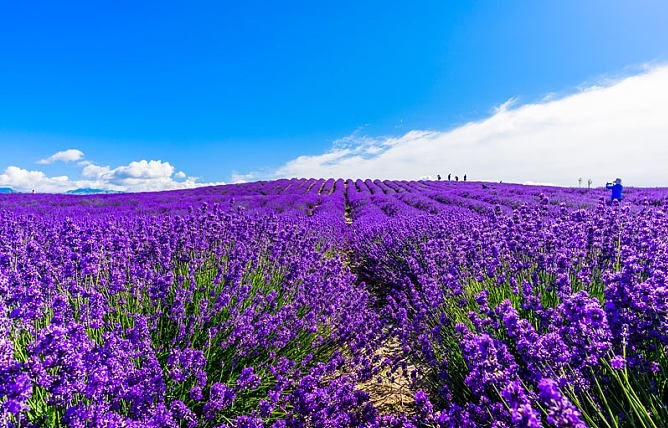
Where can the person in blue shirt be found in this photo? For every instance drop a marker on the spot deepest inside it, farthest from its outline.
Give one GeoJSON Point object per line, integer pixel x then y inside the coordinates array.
{"type": "Point", "coordinates": [616, 188]}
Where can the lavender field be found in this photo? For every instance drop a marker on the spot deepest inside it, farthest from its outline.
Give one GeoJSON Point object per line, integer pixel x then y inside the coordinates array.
{"type": "Point", "coordinates": [335, 303]}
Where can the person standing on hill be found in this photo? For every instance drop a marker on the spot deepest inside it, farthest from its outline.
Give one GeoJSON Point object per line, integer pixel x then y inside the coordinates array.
{"type": "Point", "coordinates": [464, 177]}
{"type": "Point", "coordinates": [616, 188]}
{"type": "Point", "coordinates": [449, 175]}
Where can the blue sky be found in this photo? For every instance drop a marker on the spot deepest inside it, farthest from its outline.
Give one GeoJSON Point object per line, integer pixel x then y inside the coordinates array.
{"type": "Point", "coordinates": [158, 95]}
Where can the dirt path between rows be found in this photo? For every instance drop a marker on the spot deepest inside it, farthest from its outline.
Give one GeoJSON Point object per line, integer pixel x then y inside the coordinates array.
{"type": "Point", "coordinates": [391, 392]}
{"type": "Point", "coordinates": [348, 210]}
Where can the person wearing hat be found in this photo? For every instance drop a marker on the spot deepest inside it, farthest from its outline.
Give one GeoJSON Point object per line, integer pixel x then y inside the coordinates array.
{"type": "Point", "coordinates": [616, 188]}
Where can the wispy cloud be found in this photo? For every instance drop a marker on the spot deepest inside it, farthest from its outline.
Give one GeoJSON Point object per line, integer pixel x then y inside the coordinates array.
{"type": "Point", "coordinates": [615, 127]}
{"type": "Point", "coordinates": [70, 155]}
{"type": "Point", "coordinates": [237, 178]}
{"type": "Point", "coordinates": [510, 102]}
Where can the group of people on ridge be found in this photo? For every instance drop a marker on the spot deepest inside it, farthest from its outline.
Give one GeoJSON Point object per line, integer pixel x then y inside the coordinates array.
{"type": "Point", "coordinates": [438, 176]}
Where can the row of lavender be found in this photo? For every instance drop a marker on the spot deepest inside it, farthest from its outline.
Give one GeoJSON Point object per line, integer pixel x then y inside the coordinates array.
{"type": "Point", "coordinates": [313, 197]}
{"type": "Point", "coordinates": [236, 305]}
{"type": "Point", "coordinates": [203, 319]}
{"type": "Point", "coordinates": [548, 315]}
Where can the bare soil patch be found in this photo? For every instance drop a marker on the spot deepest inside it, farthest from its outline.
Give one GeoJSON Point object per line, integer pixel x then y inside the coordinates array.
{"type": "Point", "coordinates": [391, 392]}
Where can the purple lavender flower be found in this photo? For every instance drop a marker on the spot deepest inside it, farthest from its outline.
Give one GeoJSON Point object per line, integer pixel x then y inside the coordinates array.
{"type": "Point", "coordinates": [248, 379]}
{"type": "Point", "coordinates": [221, 396]}
{"type": "Point", "coordinates": [522, 412]}
{"type": "Point", "coordinates": [560, 411]}
{"type": "Point", "coordinates": [617, 362]}
{"type": "Point", "coordinates": [424, 406]}
{"type": "Point", "coordinates": [181, 412]}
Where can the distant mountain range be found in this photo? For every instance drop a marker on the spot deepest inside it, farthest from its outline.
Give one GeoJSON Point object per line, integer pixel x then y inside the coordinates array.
{"type": "Point", "coordinates": [89, 191]}
{"type": "Point", "coordinates": [6, 190]}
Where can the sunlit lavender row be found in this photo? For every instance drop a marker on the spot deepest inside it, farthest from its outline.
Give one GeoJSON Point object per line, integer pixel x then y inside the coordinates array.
{"type": "Point", "coordinates": [335, 303]}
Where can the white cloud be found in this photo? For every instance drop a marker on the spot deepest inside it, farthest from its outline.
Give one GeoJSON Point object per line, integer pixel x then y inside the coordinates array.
{"type": "Point", "coordinates": [92, 171]}
{"type": "Point", "coordinates": [69, 155]}
{"type": "Point", "coordinates": [618, 128]}
{"type": "Point", "coordinates": [137, 176]}
{"type": "Point", "coordinates": [24, 180]}
{"type": "Point", "coordinates": [145, 170]}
